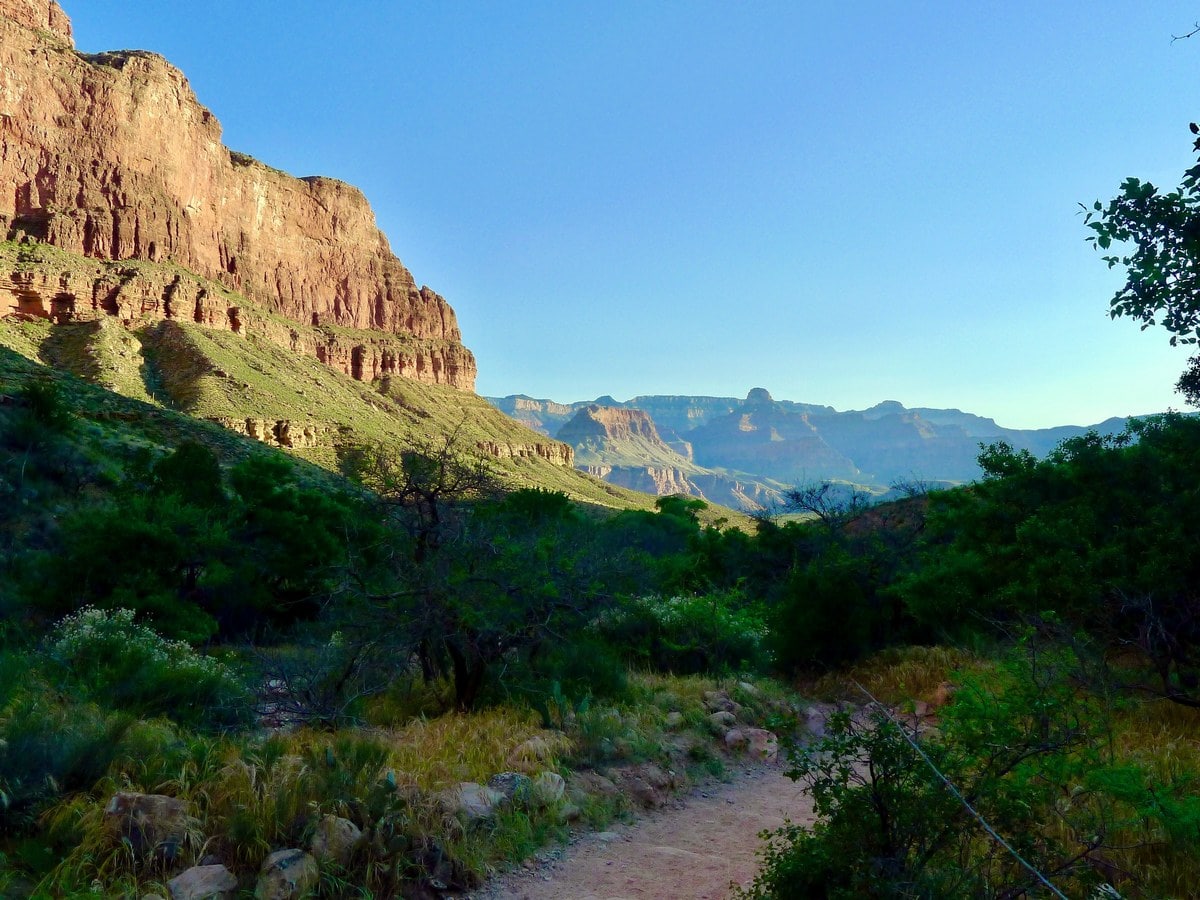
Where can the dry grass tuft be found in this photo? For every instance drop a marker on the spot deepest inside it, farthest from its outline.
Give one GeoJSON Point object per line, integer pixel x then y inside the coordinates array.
{"type": "Point", "coordinates": [899, 675]}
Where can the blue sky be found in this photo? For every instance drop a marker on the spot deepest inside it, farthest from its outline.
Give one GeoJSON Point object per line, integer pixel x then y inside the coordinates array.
{"type": "Point", "coordinates": [842, 203]}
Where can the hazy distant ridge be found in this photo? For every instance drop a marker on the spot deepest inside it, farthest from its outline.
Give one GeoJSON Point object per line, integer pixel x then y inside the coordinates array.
{"type": "Point", "coordinates": [769, 443]}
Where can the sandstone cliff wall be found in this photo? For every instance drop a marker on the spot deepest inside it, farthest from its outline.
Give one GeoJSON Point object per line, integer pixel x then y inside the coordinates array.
{"type": "Point", "coordinates": [112, 156]}
{"type": "Point", "coordinates": [607, 423]}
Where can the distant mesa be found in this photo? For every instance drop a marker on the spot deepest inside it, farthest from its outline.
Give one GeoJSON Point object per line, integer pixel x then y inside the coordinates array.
{"type": "Point", "coordinates": [887, 408]}
{"type": "Point", "coordinates": [759, 395]}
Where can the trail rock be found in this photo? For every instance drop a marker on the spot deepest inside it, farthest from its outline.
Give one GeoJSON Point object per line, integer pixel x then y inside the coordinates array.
{"type": "Point", "coordinates": [723, 720]}
{"type": "Point", "coordinates": [286, 875]}
{"type": "Point", "coordinates": [473, 801]}
{"type": "Point", "coordinates": [569, 813]}
{"type": "Point", "coordinates": [513, 786]}
{"type": "Point", "coordinates": [593, 783]}
{"type": "Point", "coordinates": [335, 839]}
{"type": "Point", "coordinates": [648, 784]}
{"type": "Point", "coordinates": [720, 702]}
{"type": "Point", "coordinates": [152, 823]}
{"type": "Point", "coordinates": [736, 739]}
{"type": "Point", "coordinates": [763, 744]}
{"type": "Point", "coordinates": [204, 883]}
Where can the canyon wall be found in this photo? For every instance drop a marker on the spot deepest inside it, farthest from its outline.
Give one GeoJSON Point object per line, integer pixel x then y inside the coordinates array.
{"type": "Point", "coordinates": [111, 156]}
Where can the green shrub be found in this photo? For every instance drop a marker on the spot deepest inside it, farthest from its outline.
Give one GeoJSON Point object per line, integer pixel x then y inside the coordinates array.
{"type": "Point", "coordinates": [1031, 748]}
{"type": "Point", "coordinates": [49, 748]}
{"type": "Point", "coordinates": [710, 633]}
{"type": "Point", "coordinates": [111, 659]}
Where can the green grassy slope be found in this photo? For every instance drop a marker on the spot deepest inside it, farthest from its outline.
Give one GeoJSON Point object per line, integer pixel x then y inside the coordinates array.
{"type": "Point", "coordinates": [138, 379]}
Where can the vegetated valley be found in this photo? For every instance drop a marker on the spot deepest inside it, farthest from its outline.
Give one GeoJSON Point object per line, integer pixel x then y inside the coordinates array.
{"type": "Point", "coordinates": [286, 608]}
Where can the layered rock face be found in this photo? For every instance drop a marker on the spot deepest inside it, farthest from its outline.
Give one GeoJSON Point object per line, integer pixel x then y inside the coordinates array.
{"type": "Point", "coordinates": [111, 156]}
{"type": "Point", "coordinates": [545, 416]}
{"type": "Point", "coordinates": [45, 15]}
{"type": "Point", "coordinates": [606, 423]}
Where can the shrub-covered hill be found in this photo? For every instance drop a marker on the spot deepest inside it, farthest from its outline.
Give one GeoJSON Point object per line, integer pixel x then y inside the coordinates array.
{"type": "Point", "coordinates": [251, 383]}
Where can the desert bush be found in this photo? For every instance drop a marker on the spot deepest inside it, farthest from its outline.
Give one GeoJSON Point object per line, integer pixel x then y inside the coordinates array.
{"type": "Point", "coordinates": [113, 660]}
{"type": "Point", "coordinates": [323, 684]}
{"type": "Point", "coordinates": [1028, 744]}
{"type": "Point", "coordinates": [713, 633]}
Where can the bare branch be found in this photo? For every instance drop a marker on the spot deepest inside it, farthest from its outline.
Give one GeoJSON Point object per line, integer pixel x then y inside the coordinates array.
{"type": "Point", "coordinates": [1183, 37]}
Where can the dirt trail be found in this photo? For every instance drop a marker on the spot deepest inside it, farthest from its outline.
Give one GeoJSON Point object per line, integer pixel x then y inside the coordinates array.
{"type": "Point", "coordinates": [692, 850]}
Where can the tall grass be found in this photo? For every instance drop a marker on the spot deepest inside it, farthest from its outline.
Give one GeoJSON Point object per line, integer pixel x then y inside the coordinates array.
{"type": "Point", "coordinates": [248, 796]}
{"type": "Point", "coordinates": [897, 675]}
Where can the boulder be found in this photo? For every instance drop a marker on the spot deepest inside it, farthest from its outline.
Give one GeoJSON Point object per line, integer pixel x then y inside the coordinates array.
{"type": "Point", "coordinates": [648, 784]}
{"type": "Point", "coordinates": [643, 792]}
{"type": "Point", "coordinates": [287, 875]}
{"type": "Point", "coordinates": [152, 823]}
{"type": "Point", "coordinates": [515, 787]}
{"type": "Point", "coordinates": [735, 739]}
{"type": "Point", "coordinates": [585, 783]}
{"type": "Point", "coordinates": [673, 720]}
{"type": "Point", "coordinates": [716, 701]}
{"type": "Point", "coordinates": [568, 813]}
{"type": "Point", "coordinates": [473, 801]}
{"type": "Point", "coordinates": [748, 689]}
{"type": "Point", "coordinates": [204, 883]}
{"type": "Point", "coordinates": [814, 720]}
{"type": "Point", "coordinates": [763, 744]}
{"type": "Point", "coordinates": [335, 839]}
{"type": "Point", "coordinates": [723, 720]}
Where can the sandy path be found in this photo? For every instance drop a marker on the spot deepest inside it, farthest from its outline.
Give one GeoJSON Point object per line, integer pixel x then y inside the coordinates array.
{"type": "Point", "coordinates": [693, 849]}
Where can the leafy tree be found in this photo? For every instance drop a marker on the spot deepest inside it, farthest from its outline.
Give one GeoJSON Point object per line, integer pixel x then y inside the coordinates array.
{"type": "Point", "coordinates": [1028, 750]}
{"type": "Point", "coordinates": [1103, 531]}
{"type": "Point", "coordinates": [1162, 266]}
{"type": "Point", "coordinates": [468, 579]}
{"type": "Point", "coordinates": [171, 544]}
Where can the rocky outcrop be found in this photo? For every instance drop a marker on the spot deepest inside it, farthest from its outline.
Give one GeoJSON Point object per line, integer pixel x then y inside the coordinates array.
{"type": "Point", "coordinates": [627, 433]}
{"type": "Point", "coordinates": [279, 433]}
{"type": "Point", "coordinates": [112, 157]}
{"type": "Point", "coordinates": [41, 15]}
{"type": "Point", "coordinates": [545, 416]}
{"type": "Point", "coordinates": [658, 480]}
{"type": "Point", "coordinates": [132, 294]}
{"type": "Point", "coordinates": [551, 451]}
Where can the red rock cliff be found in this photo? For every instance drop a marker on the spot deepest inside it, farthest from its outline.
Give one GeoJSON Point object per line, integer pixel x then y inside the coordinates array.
{"type": "Point", "coordinates": [112, 156]}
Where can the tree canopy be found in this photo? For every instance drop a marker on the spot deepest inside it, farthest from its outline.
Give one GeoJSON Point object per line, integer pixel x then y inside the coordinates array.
{"type": "Point", "coordinates": [1161, 257]}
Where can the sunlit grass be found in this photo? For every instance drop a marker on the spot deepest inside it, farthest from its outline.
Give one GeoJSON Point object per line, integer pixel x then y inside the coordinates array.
{"type": "Point", "coordinates": [247, 797]}
{"type": "Point", "coordinates": [898, 675]}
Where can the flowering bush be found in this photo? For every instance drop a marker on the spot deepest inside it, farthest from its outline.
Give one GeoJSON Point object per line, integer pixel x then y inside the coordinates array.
{"type": "Point", "coordinates": [108, 657]}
